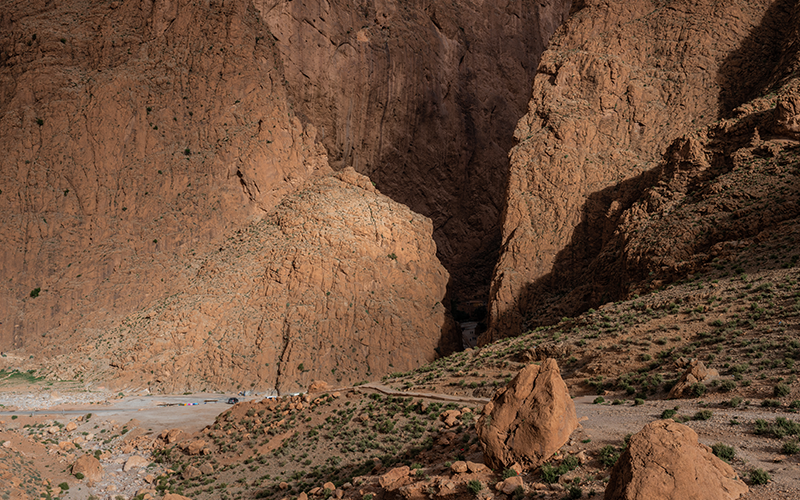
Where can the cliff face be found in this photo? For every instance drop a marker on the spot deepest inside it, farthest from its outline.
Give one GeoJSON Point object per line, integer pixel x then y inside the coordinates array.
{"type": "Point", "coordinates": [619, 83]}
{"type": "Point", "coordinates": [338, 283]}
{"type": "Point", "coordinates": [422, 97]}
{"type": "Point", "coordinates": [134, 135]}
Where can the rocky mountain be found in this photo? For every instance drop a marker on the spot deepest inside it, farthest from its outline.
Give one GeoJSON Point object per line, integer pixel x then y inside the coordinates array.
{"type": "Point", "coordinates": [140, 136]}
{"type": "Point", "coordinates": [618, 85]}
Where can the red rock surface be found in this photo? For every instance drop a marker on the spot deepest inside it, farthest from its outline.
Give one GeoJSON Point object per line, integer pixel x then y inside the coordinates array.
{"type": "Point", "coordinates": [618, 84]}
{"type": "Point", "coordinates": [338, 283]}
{"type": "Point", "coordinates": [664, 460]}
{"type": "Point", "coordinates": [422, 98]}
{"type": "Point", "coordinates": [135, 135]}
{"type": "Point", "coordinates": [528, 420]}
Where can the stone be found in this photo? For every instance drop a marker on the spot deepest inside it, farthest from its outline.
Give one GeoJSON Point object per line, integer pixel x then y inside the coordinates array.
{"type": "Point", "coordinates": [71, 426]}
{"type": "Point", "coordinates": [329, 486]}
{"type": "Point", "coordinates": [459, 467]}
{"type": "Point", "coordinates": [318, 386]}
{"type": "Point", "coordinates": [174, 496]}
{"type": "Point", "coordinates": [787, 115]}
{"type": "Point", "coordinates": [206, 468]}
{"type": "Point", "coordinates": [476, 468]}
{"type": "Point", "coordinates": [66, 445]}
{"type": "Point", "coordinates": [509, 485]}
{"type": "Point", "coordinates": [90, 467]}
{"type": "Point", "coordinates": [196, 447]}
{"type": "Point", "coordinates": [450, 417]}
{"type": "Point", "coordinates": [665, 460]}
{"type": "Point", "coordinates": [302, 496]}
{"type": "Point", "coordinates": [191, 472]}
{"type": "Point", "coordinates": [528, 420]}
{"type": "Point", "coordinates": [395, 478]}
{"type": "Point", "coordinates": [696, 372]}
{"type": "Point", "coordinates": [171, 435]}
{"type": "Point", "coordinates": [135, 462]}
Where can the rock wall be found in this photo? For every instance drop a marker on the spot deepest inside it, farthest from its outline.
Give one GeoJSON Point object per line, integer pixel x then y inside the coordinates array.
{"type": "Point", "coordinates": [422, 97]}
{"type": "Point", "coordinates": [619, 83]}
{"type": "Point", "coordinates": [135, 135]}
{"type": "Point", "coordinates": [339, 283]}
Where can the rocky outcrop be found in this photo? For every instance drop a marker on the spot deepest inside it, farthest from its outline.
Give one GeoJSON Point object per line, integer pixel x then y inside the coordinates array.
{"type": "Point", "coordinates": [696, 373]}
{"type": "Point", "coordinates": [135, 135]}
{"type": "Point", "coordinates": [422, 97]}
{"type": "Point", "coordinates": [529, 420]}
{"type": "Point", "coordinates": [664, 460]}
{"type": "Point", "coordinates": [90, 467]}
{"type": "Point", "coordinates": [618, 84]}
{"type": "Point", "coordinates": [339, 283]}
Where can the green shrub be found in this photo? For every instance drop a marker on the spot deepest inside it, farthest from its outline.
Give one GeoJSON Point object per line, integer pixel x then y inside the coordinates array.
{"type": "Point", "coordinates": [507, 473]}
{"type": "Point", "coordinates": [771, 403]}
{"type": "Point", "coordinates": [63, 486]}
{"type": "Point", "coordinates": [727, 386]}
{"type": "Point", "coordinates": [781, 390]}
{"type": "Point", "coordinates": [790, 448]}
{"type": "Point", "coordinates": [759, 476]}
{"type": "Point", "coordinates": [703, 415]}
{"type": "Point", "coordinates": [668, 413]}
{"type": "Point", "coordinates": [638, 402]}
{"type": "Point", "coordinates": [78, 475]}
{"type": "Point", "coordinates": [598, 400]}
{"type": "Point", "coordinates": [35, 292]}
{"type": "Point", "coordinates": [735, 402]}
{"type": "Point", "coordinates": [723, 451]}
{"type": "Point", "coordinates": [697, 389]}
{"type": "Point", "coordinates": [474, 486]}
{"type": "Point", "coordinates": [608, 456]}
{"type": "Point", "coordinates": [574, 492]}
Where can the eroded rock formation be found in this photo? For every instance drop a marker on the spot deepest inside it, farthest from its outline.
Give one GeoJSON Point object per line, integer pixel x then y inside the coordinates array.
{"type": "Point", "coordinates": [618, 84]}
{"type": "Point", "coordinates": [528, 420]}
{"type": "Point", "coordinates": [665, 460]}
{"type": "Point", "coordinates": [339, 283]}
{"type": "Point", "coordinates": [135, 135]}
{"type": "Point", "coordinates": [422, 97]}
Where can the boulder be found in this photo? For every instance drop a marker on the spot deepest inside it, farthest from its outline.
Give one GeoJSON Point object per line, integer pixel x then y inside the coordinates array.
{"type": "Point", "coordinates": [135, 462]}
{"type": "Point", "coordinates": [395, 478]}
{"type": "Point", "coordinates": [71, 426]}
{"type": "Point", "coordinates": [196, 447]}
{"type": "Point", "coordinates": [173, 496]}
{"type": "Point", "coordinates": [665, 461]}
{"type": "Point", "coordinates": [787, 115]}
{"type": "Point", "coordinates": [90, 467]}
{"type": "Point", "coordinates": [529, 419]}
{"type": "Point", "coordinates": [318, 386]}
{"type": "Point", "coordinates": [191, 472]}
{"type": "Point", "coordinates": [508, 486]}
{"type": "Point", "coordinates": [695, 373]}
{"type": "Point", "coordinates": [171, 435]}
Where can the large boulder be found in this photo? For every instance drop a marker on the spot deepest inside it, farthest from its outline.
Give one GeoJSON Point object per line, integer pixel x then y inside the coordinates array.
{"type": "Point", "coordinates": [787, 115]}
{"type": "Point", "coordinates": [665, 461]}
{"type": "Point", "coordinates": [696, 373]}
{"type": "Point", "coordinates": [90, 467]}
{"type": "Point", "coordinates": [528, 420]}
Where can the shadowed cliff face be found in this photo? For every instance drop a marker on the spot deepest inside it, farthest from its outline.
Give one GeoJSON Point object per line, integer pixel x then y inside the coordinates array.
{"type": "Point", "coordinates": [619, 84]}
{"type": "Point", "coordinates": [422, 97]}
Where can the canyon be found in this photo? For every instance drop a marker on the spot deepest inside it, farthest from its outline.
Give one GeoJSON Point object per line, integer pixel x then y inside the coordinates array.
{"type": "Point", "coordinates": [302, 200]}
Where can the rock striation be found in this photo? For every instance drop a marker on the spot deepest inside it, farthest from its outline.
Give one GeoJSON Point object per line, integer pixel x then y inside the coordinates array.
{"type": "Point", "coordinates": [619, 83]}
{"type": "Point", "coordinates": [665, 461]}
{"type": "Point", "coordinates": [529, 420]}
